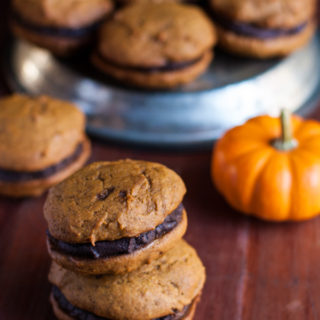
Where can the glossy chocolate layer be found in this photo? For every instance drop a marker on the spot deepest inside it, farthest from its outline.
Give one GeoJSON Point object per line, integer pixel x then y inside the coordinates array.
{"type": "Point", "coordinates": [170, 66]}
{"type": "Point", "coordinates": [79, 314]}
{"type": "Point", "coordinates": [54, 31]}
{"type": "Point", "coordinates": [21, 176]}
{"type": "Point", "coordinates": [106, 249]}
{"type": "Point", "coordinates": [250, 30]}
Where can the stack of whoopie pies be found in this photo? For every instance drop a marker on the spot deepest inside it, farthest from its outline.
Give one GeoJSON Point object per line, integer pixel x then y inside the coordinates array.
{"type": "Point", "coordinates": [114, 234]}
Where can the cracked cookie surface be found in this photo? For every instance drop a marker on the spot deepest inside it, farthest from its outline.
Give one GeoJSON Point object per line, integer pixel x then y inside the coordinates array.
{"type": "Point", "coordinates": [39, 132]}
{"type": "Point", "coordinates": [151, 35]}
{"type": "Point", "coordinates": [154, 290]}
{"type": "Point", "coordinates": [267, 13]}
{"type": "Point", "coordinates": [61, 13]}
{"type": "Point", "coordinates": [112, 200]}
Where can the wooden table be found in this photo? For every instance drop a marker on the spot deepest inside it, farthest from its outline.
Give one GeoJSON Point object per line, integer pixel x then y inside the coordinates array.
{"type": "Point", "coordinates": [255, 270]}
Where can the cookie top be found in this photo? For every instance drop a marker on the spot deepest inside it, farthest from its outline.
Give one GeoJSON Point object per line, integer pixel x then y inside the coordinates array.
{"type": "Point", "coordinates": [267, 13]}
{"type": "Point", "coordinates": [112, 200]}
{"type": "Point", "coordinates": [36, 133]}
{"type": "Point", "coordinates": [62, 13]}
{"type": "Point", "coordinates": [152, 291]}
{"type": "Point", "coordinates": [146, 1]}
{"type": "Point", "coordinates": [155, 34]}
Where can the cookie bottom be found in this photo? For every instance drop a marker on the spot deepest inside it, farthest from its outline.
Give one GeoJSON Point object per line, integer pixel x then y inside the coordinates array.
{"type": "Point", "coordinates": [58, 45]}
{"type": "Point", "coordinates": [123, 263]}
{"type": "Point", "coordinates": [61, 315]}
{"type": "Point", "coordinates": [37, 187]}
{"type": "Point", "coordinates": [154, 80]}
{"type": "Point", "coordinates": [263, 48]}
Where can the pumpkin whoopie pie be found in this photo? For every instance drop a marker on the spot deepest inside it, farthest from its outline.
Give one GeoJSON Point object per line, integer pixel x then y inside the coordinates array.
{"type": "Point", "coordinates": [42, 141]}
{"type": "Point", "coordinates": [130, 2]}
{"type": "Point", "coordinates": [156, 45]}
{"type": "Point", "coordinates": [58, 25]}
{"type": "Point", "coordinates": [263, 28]}
{"type": "Point", "coordinates": [166, 289]}
{"type": "Point", "coordinates": [111, 217]}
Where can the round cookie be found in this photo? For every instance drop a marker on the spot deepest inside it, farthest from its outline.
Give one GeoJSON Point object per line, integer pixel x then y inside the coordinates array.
{"type": "Point", "coordinates": [167, 288]}
{"type": "Point", "coordinates": [263, 29]}
{"type": "Point", "coordinates": [111, 217]}
{"type": "Point", "coordinates": [42, 141]}
{"type": "Point", "coordinates": [57, 25]}
{"type": "Point", "coordinates": [156, 45]}
{"type": "Point", "coordinates": [130, 2]}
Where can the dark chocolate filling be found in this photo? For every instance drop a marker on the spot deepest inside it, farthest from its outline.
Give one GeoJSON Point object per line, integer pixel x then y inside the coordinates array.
{"type": "Point", "coordinates": [20, 176]}
{"type": "Point", "coordinates": [106, 249]}
{"type": "Point", "coordinates": [58, 32]}
{"type": "Point", "coordinates": [169, 66]}
{"type": "Point", "coordinates": [79, 314]}
{"type": "Point", "coordinates": [251, 30]}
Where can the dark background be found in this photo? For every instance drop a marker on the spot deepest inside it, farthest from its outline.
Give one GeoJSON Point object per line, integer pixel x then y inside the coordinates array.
{"type": "Point", "coordinates": [255, 270]}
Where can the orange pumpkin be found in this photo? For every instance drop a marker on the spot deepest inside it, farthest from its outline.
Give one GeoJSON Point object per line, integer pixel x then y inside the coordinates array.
{"type": "Point", "coordinates": [270, 168]}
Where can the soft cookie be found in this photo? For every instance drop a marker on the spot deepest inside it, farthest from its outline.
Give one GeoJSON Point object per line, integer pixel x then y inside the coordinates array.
{"type": "Point", "coordinates": [42, 142]}
{"type": "Point", "coordinates": [263, 28]}
{"type": "Point", "coordinates": [58, 25]}
{"type": "Point", "coordinates": [166, 289]}
{"type": "Point", "coordinates": [111, 217]}
{"type": "Point", "coordinates": [156, 45]}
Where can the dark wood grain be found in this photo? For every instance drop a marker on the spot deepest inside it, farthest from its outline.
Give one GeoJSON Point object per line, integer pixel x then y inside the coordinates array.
{"type": "Point", "coordinates": [255, 270]}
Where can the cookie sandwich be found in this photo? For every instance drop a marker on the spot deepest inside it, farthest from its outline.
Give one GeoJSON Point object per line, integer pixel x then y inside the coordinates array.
{"type": "Point", "coordinates": [168, 288]}
{"type": "Point", "coordinates": [130, 2]}
{"type": "Point", "coordinates": [60, 26]}
{"type": "Point", "coordinates": [156, 45]}
{"type": "Point", "coordinates": [42, 142]}
{"type": "Point", "coordinates": [264, 28]}
{"type": "Point", "coordinates": [111, 217]}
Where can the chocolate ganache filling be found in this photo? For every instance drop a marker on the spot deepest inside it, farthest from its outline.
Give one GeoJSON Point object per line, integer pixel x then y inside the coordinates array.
{"type": "Point", "coordinates": [79, 314]}
{"type": "Point", "coordinates": [55, 31]}
{"type": "Point", "coordinates": [21, 176]}
{"type": "Point", "coordinates": [106, 249]}
{"type": "Point", "coordinates": [169, 66]}
{"type": "Point", "coordinates": [251, 30]}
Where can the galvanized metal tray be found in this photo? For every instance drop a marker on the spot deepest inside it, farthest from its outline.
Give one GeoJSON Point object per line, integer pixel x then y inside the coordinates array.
{"type": "Point", "coordinates": [231, 91]}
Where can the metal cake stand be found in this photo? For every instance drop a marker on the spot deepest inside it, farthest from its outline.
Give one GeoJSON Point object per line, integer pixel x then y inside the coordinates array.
{"type": "Point", "coordinates": [231, 91]}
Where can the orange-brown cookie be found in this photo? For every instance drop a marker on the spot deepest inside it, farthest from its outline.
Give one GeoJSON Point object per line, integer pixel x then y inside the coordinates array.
{"type": "Point", "coordinates": [156, 45]}
{"type": "Point", "coordinates": [167, 288]}
{"type": "Point", "coordinates": [130, 2]}
{"type": "Point", "coordinates": [111, 217]}
{"type": "Point", "coordinates": [57, 25]}
{"type": "Point", "coordinates": [42, 141]}
{"type": "Point", "coordinates": [264, 28]}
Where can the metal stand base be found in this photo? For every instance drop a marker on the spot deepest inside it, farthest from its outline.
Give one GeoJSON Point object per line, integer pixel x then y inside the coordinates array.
{"type": "Point", "coordinates": [231, 91]}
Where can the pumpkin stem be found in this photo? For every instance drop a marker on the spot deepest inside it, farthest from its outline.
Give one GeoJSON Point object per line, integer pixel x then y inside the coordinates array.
{"type": "Point", "coordinates": [287, 142]}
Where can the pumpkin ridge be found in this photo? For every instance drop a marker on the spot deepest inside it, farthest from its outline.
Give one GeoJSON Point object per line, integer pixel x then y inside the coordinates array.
{"type": "Point", "coordinates": [257, 180]}
{"type": "Point", "coordinates": [257, 172]}
{"type": "Point", "coordinates": [246, 153]}
{"type": "Point", "coordinates": [313, 149]}
{"type": "Point", "coordinates": [308, 152]}
{"type": "Point", "coordinates": [309, 160]}
{"type": "Point", "coordinates": [261, 147]}
{"type": "Point", "coordinates": [254, 125]}
{"type": "Point", "coordinates": [308, 138]}
{"type": "Point", "coordinates": [303, 127]}
{"type": "Point", "coordinates": [231, 192]}
{"type": "Point", "coordinates": [294, 178]}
